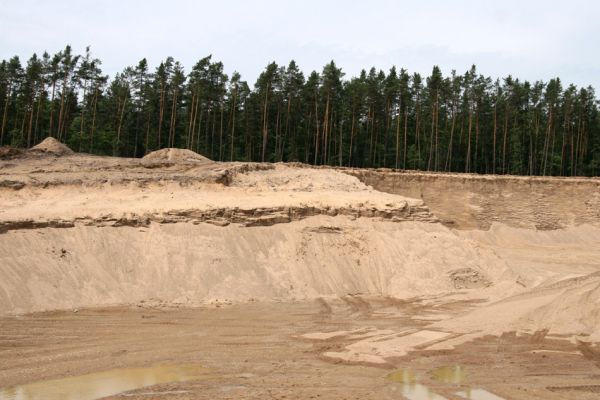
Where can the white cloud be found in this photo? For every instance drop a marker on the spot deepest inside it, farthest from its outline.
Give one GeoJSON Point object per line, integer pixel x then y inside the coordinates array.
{"type": "Point", "coordinates": [532, 39]}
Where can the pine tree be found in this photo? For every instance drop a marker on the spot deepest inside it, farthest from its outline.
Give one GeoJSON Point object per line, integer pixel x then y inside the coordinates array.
{"type": "Point", "coordinates": [461, 122]}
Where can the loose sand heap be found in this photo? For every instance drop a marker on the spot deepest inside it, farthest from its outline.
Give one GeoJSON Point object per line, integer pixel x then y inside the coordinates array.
{"type": "Point", "coordinates": [179, 155]}
{"type": "Point", "coordinates": [86, 231]}
{"type": "Point", "coordinates": [52, 146]}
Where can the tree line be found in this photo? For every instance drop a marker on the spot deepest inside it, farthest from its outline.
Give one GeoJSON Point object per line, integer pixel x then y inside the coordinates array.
{"type": "Point", "coordinates": [457, 123]}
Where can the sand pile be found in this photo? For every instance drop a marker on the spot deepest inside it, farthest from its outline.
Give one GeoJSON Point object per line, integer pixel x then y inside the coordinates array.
{"type": "Point", "coordinates": [568, 308]}
{"type": "Point", "coordinates": [175, 155]}
{"type": "Point", "coordinates": [53, 146]}
{"type": "Point", "coordinates": [286, 178]}
{"type": "Point", "coordinates": [561, 271]}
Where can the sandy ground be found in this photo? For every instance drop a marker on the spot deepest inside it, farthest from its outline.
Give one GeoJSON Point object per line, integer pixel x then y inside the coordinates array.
{"type": "Point", "coordinates": [285, 281]}
{"type": "Point", "coordinates": [256, 351]}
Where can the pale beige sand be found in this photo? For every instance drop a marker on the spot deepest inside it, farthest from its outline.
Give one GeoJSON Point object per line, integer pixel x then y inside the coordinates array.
{"type": "Point", "coordinates": [53, 146]}
{"type": "Point", "coordinates": [307, 188]}
{"type": "Point", "coordinates": [176, 228]}
{"type": "Point", "coordinates": [49, 268]}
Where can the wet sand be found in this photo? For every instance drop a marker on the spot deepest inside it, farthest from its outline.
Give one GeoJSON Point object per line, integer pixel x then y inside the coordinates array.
{"type": "Point", "coordinates": [257, 351]}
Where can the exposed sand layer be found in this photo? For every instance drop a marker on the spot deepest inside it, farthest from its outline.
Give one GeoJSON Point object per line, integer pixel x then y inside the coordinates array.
{"type": "Point", "coordinates": [219, 194]}
{"type": "Point", "coordinates": [176, 229]}
{"type": "Point", "coordinates": [194, 264]}
{"type": "Point", "coordinates": [469, 201]}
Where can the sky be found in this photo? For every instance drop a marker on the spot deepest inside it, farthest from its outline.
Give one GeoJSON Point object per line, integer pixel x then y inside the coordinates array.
{"type": "Point", "coordinates": [528, 39]}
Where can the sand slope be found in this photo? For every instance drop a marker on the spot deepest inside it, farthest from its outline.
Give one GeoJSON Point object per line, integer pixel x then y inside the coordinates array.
{"type": "Point", "coordinates": [174, 227]}
{"type": "Point", "coordinates": [185, 263]}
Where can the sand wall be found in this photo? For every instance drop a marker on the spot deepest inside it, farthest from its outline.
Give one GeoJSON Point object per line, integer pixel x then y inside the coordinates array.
{"type": "Point", "coordinates": [468, 201]}
{"type": "Point", "coordinates": [82, 231]}
{"type": "Point", "coordinates": [62, 268]}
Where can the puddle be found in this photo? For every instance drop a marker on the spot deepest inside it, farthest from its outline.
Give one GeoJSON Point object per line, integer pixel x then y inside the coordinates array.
{"type": "Point", "coordinates": [102, 384]}
{"type": "Point", "coordinates": [478, 394]}
{"type": "Point", "coordinates": [450, 374]}
{"type": "Point", "coordinates": [412, 390]}
{"type": "Point", "coordinates": [402, 376]}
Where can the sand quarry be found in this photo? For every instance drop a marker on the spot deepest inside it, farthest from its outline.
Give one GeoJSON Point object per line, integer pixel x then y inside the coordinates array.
{"type": "Point", "coordinates": [176, 277]}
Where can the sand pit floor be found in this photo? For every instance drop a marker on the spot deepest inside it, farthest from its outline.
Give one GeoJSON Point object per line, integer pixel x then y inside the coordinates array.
{"type": "Point", "coordinates": [256, 351]}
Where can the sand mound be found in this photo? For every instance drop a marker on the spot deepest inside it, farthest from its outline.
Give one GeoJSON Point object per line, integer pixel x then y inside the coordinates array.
{"type": "Point", "coordinates": [569, 307]}
{"type": "Point", "coordinates": [285, 178]}
{"type": "Point", "coordinates": [172, 154]}
{"type": "Point", "coordinates": [51, 145]}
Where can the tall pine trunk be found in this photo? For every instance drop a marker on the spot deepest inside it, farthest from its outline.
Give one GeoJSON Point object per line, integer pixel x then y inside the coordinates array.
{"type": "Point", "coordinates": [265, 127]}
{"type": "Point", "coordinates": [233, 109]}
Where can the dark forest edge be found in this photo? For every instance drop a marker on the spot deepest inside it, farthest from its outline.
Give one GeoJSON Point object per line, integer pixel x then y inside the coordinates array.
{"type": "Point", "coordinates": [458, 123]}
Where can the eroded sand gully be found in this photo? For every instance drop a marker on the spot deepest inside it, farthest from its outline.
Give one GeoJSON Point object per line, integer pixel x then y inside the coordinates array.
{"type": "Point", "coordinates": [285, 281]}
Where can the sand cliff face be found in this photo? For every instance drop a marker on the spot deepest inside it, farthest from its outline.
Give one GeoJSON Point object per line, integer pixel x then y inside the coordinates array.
{"type": "Point", "coordinates": [79, 230]}
{"type": "Point", "coordinates": [468, 201]}
{"type": "Point", "coordinates": [78, 191]}
{"type": "Point", "coordinates": [192, 264]}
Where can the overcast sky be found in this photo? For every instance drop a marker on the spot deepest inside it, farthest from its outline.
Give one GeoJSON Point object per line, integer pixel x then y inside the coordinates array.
{"type": "Point", "coordinates": [529, 39]}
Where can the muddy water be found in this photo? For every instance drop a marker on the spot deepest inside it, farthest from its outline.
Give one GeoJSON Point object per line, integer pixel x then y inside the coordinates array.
{"type": "Point", "coordinates": [102, 384]}
{"type": "Point", "coordinates": [411, 389]}
{"type": "Point", "coordinates": [454, 375]}
{"type": "Point", "coordinates": [450, 374]}
{"type": "Point", "coordinates": [478, 394]}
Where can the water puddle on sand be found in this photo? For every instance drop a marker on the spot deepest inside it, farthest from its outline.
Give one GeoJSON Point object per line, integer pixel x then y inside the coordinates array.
{"type": "Point", "coordinates": [410, 388]}
{"type": "Point", "coordinates": [102, 384]}
{"type": "Point", "coordinates": [455, 375]}
{"type": "Point", "coordinates": [478, 394]}
{"type": "Point", "coordinates": [450, 374]}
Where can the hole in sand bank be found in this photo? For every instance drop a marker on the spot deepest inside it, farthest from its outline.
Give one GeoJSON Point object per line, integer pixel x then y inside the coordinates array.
{"type": "Point", "coordinates": [102, 384]}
